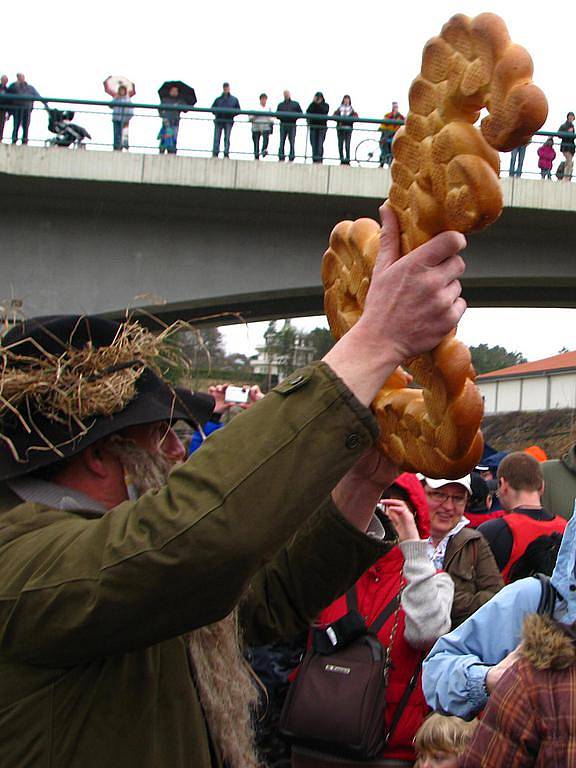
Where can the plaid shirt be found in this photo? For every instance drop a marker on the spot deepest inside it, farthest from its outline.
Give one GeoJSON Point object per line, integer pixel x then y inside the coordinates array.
{"type": "Point", "coordinates": [530, 720]}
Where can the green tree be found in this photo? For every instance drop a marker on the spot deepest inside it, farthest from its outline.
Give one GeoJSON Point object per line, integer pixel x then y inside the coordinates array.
{"type": "Point", "coordinates": [486, 359]}
{"type": "Point", "coordinates": [322, 341]}
{"type": "Point", "coordinates": [204, 347]}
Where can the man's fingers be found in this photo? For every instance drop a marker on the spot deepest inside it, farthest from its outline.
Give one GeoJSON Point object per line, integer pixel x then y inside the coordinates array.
{"type": "Point", "coordinates": [456, 311]}
{"type": "Point", "coordinates": [389, 250]}
{"type": "Point", "coordinates": [440, 248]}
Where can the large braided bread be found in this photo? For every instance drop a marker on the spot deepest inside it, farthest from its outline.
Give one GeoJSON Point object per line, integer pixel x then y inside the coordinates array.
{"type": "Point", "coordinates": [444, 176]}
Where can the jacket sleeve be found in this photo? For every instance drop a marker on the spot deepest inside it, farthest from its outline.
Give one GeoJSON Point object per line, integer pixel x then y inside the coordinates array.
{"type": "Point", "coordinates": [426, 598]}
{"type": "Point", "coordinates": [455, 670]}
{"type": "Point", "coordinates": [323, 560]}
{"type": "Point", "coordinates": [181, 558]}
{"type": "Point", "coordinates": [507, 734]}
{"type": "Point", "coordinates": [487, 581]}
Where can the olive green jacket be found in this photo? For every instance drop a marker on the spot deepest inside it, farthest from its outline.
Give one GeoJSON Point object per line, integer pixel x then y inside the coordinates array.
{"type": "Point", "coordinates": [94, 669]}
{"type": "Point", "coordinates": [560, 484]}
{"type": "Point", "coordinates": [472, 567]}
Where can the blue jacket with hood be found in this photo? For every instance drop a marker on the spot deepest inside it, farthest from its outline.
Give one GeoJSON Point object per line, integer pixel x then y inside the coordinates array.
{"type": "Point", "coordinates": [455, 670]}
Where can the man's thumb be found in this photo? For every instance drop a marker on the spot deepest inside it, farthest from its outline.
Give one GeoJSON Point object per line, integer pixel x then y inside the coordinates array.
{"type": "Point", "coordinates": [389, 250]}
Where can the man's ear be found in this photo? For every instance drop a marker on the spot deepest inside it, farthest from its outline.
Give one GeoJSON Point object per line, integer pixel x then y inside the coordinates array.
{"type": "Point", "coordinates": [96, 459]}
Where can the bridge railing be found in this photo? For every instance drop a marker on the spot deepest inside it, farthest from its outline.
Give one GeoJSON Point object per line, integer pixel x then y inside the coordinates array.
{"type": "Point", "coordinates": [196, 132]}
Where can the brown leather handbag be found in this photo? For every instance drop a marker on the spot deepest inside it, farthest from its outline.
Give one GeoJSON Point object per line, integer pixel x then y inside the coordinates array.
{"type": "Point", "coordinates": [336, 703]}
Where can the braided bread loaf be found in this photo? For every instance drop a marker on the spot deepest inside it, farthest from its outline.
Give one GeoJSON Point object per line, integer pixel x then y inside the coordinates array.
{"type": "Point", "coordinates": [444, 176]}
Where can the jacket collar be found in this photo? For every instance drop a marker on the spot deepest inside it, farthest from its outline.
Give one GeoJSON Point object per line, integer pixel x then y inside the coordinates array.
{"type": "Point", "coordinates": [546, 645]}
{"type": "Point", "coordinates": [55, 496]}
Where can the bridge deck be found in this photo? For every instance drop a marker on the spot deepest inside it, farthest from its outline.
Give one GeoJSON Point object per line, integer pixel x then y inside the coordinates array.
{"type": "Point", "coordinates": [187, 237]}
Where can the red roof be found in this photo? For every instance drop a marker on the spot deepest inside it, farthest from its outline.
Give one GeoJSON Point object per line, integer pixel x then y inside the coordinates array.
{"type": "Point", "coordinates": [548, 365]}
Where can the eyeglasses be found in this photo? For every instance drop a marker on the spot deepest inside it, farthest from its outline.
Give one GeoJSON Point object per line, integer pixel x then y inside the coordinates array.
{"type": "Point", "coordinates": [441, 498]}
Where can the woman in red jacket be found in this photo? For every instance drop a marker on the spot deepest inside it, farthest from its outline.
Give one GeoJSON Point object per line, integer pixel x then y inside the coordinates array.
{"type": "Point", "coordinates": [423, 615]}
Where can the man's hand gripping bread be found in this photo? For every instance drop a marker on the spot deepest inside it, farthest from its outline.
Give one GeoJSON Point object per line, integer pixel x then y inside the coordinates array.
{"type": "Point", "coordinates": [444, 177]}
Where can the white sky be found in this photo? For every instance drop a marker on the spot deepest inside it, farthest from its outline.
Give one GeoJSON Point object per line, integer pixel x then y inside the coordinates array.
{"type": "Point", "coordinates": [369, 50]}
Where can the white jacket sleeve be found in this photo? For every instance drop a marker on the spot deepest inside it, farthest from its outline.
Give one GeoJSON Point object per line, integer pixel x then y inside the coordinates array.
{"type": "Point", "coordinates": [427, 596]}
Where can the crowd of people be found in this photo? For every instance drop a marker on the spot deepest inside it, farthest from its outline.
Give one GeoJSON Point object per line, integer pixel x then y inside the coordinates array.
{"type": "Point", "coordinates": [139, 576]}
{"type": "Point", "coordinates": [226, 107]}
{"type": "Point", "coordinates": [547, 154]}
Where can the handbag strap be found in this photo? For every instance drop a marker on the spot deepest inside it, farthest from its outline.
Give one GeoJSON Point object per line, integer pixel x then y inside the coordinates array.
{"type": "Point", "coordinates": [405, 697]}
{"type": "Point", "coordinates": [383, 616]}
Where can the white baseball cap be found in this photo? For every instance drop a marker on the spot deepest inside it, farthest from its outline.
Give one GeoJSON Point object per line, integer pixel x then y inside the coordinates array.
{"type": "Point", "coordinates": [465, 482]}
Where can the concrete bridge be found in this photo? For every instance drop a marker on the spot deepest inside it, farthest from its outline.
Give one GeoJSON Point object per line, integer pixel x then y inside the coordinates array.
{"type": "Point", "coordinates": [87, 231]}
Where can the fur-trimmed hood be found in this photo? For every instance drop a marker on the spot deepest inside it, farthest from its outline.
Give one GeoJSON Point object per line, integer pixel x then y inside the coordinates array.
{"type": "Point", "coordinates": [547, 644]}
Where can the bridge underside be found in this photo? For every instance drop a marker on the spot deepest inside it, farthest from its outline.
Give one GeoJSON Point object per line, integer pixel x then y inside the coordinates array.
{"type": "Point", "coordinates": [193, 253]}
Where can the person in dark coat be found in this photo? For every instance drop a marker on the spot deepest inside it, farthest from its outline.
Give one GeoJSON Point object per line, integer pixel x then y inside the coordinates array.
{"type": "Point", "coordinates": [4, 111]}
{"type": "Point", "coordinates": [223, 121]}
{"type": "Point", "coordinates": [317, 125]}
{"type": "Point", "coordinates": [170, 122]}
{"type": "Point", "coordinates": [21, 109]}
{"type": "Point", "coordinates": [567, 146]}
{"type": "Point", "coordinates": [344, 128]}
{"type": "Point", "coordinates": [288, 126]}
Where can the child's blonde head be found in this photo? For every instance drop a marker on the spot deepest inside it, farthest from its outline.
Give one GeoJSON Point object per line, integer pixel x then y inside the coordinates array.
{"type": "Point", "coordinates": [443, 733]}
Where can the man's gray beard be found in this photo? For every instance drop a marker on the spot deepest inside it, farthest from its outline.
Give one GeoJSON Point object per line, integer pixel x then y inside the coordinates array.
{"type": "Point", "coordinates": [223, 678]}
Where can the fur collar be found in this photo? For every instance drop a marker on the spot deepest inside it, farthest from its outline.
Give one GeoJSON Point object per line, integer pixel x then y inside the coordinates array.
{"type": "Point", "coordinates": [546, 645]}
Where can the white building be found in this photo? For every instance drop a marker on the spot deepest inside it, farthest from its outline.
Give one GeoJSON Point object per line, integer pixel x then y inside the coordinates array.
{"type": "Point", "coordinates": [538, 386]}
{"type": "Point", "coordinates": [276, 359]}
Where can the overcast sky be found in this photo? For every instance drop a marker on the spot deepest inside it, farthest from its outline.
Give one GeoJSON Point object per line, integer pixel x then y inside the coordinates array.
{"type": "Point", "coordinates": [369, 50]}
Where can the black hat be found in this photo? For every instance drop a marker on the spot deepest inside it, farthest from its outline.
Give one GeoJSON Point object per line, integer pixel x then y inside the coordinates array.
{"type": "Point", "coordinates": [34, 432]}
{"type": "Point", "coordinates": [480, 493]}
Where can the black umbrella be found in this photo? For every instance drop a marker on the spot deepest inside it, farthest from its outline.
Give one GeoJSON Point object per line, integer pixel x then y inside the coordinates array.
{"type": "Point", "coordinates": [186, 94]}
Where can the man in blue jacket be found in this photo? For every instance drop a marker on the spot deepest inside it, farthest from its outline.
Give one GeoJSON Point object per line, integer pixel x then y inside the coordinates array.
{"type": "Point", "coordinates": [21, 109]}
{"type": "Point", "coordinates": [223, 120]}
{"type": "Point", "coordinates": [464, 666]}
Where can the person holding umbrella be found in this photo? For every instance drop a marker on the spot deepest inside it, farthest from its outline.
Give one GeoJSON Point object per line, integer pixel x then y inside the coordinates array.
{"type": "Point", "coordinates": [121, 89]}
{"type": "Point", "coordinates": [173, 92]}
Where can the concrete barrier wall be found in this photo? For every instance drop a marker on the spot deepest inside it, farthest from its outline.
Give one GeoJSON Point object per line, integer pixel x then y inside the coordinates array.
{"type": "Point", "coordinates": [86, 231]}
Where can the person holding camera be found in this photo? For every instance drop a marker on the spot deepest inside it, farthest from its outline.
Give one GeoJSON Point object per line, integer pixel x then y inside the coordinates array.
{"type": "Point", "coordinates": [407, 603]}
{"type": "Point", "coordinates": [225, 397]}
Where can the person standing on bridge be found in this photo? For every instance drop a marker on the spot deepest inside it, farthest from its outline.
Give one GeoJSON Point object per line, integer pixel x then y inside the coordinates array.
{"type": "Point", "coordinates": [288, 126]}
{"type": "Point", "coordinates": [4, 111]}
{"type": "Point", "coordinates": [223, 121]}
{"type": "Point", "coordinates": [262, 126]}
{"type": "Point", "coordinates": [567, 145]}
{"type": "Point", "coordinates": [344, 124]}
{"type": "Point", "coordinates": [546, 157]}
{"type": "Point", "coordinates": [125, 572]}
{"type": "Point", "coordinates": [121, 116]}
{"type": "Point", "coordinates": [21, 109]}
{"type": "Point", "coordinates": [317, 125]}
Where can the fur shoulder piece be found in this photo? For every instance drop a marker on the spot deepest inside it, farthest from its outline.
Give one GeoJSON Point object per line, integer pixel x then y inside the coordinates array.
{"type": "Point", "coordinates": [546, 645]}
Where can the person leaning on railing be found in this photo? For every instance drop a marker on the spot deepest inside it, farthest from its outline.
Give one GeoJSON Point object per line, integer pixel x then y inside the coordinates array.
{"type": "Point", "coordinates": [344, 128]}
{"type": "Point", "coordinates": [288, 126]}
{"type": "Point", "coordinates": [388, 129]}
{"type": "Point", "coordinates": [223, 120]}
{"type": "Point", "coordinates": [262, 126]}
{"type": "Point", "coordinates": [567, 145]}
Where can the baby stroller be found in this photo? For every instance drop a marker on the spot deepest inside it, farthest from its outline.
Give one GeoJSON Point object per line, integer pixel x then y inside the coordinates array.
{"type": "Point", "coordinates": [67, 133]}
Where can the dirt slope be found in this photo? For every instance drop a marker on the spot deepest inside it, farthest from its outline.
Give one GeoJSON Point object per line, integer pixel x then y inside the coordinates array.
{"type": "Point", "coordinates": [554, 430]}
